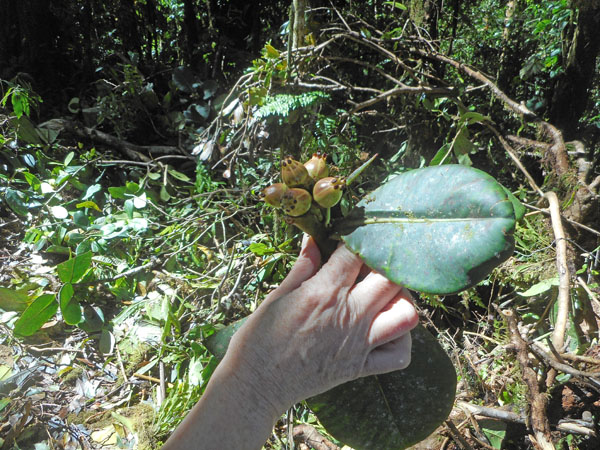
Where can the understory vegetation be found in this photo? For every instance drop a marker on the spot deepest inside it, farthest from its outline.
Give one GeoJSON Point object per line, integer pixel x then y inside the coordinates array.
{"type": "Point", "coordinates": [136, 137]}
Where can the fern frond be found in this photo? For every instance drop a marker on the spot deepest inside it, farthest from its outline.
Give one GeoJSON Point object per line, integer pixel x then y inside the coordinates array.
{"type": "Point", "coordinates": [283, 104]}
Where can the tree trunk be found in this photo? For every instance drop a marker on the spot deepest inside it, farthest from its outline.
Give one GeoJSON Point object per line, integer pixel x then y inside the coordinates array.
{"type": "Point", "coordinates": [570, 95]}
{"type": "Point", "coordinates": [300, 7]}
{"type": "Point", "coordinates": [510, 63]}
{"type": "Point", "coordinates": [190, 30]}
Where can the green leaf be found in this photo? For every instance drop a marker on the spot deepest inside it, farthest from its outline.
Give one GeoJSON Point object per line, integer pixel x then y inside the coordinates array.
{"type": "Point", "coordinates": [541, 287]}
{"type": "Point", "coordinates": [180, 176]}
{"type": "Point", "coordinates": [132, 187]}
{"type": "Point", "coordinates": [33, 181]}
{"type": "Point", "coordinates": [72, 270]}
{"type": "Point", "coordinates": [438, 230]}
{"type": "Point", "coordinates": [117, 192]}
{"type": "Point", "coordinates": [36, 315]}
{"type": "Point", "coordinates": [88, 204]}
{"type": "Point", "coordinates": [494, 430]}
{"type": "Point", "coordinates": [13, 300]}
{"type": "Point", "coordinates": [396, 5]}
{"type": "Point", "coordinates": [26, 130]}
{"type": "Point", "coordinates": [69, 305]}
{"type": "Point", "coordinates": [471, 117]}
{"type": "Point", "coordinates": [69, 158]}
{"type": "Point", "coordinates": [107, 342]}
{"type": "Point", "coordinates": [20, 103]}
{"type": "Point", "coordinates": [261, 249]}
{"type": "Point", "coordinates": [91, 190]}
{"type": "Point", "coordinates": [218, 342]}
{"type": "Point", "coordinates": [164, 194]}
{"type": "Point", "coordinates": [393, 410]}
{"type": "Point", "coordinates": [129, 208]}
{"type": "Point", "coordinates": [16, 201]}
{"type": "Point", "coordinates": [271, 51]}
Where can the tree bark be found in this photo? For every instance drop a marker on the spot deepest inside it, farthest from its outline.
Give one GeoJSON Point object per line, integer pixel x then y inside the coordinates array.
{"type": "Point", "coordinates": [570, 95]}
{"type": "Point", "coordinates": [510, 64]}
{"type": "Point", "coordinates": [300, 7]}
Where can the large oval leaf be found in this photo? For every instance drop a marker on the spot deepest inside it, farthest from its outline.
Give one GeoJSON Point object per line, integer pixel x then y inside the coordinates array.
{"type": "Point", "coordinates": [389, 411]}
{"type": "Point", "coordinates": [438, 230]}
{"type": "Point", "coordinates": [393, 410]}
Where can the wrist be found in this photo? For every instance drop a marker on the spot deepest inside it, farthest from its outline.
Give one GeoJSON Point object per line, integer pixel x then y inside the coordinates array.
{"type": "Point", "coordinates": [228, 401]}
{"type": "Point", "coordinates": [253, 380]}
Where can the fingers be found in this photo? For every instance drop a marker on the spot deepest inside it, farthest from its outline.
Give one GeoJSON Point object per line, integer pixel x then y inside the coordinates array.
{"type": "Point", "coordinates": [373, 293]}
{"type": "Point", "coordinates": [396, 319]}
{"type": "Point", "coordinates": [394, 355]}
{"type": "Point", "coordinates": [305, 267]}
{"type": "Point", "coordinates": [341, 269]}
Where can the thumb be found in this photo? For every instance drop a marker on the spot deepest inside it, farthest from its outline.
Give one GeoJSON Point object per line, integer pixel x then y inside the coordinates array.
{"type": "Point", "coordinates": [305, 267]}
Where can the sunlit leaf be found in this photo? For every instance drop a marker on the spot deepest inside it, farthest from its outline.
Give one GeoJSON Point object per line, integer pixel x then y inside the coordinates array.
{"type": "Point", "coordinates": [13, 300]}
{"type": "Point", "coordinates": [36, 315]}
{"type": "Point", "coordinates": [88, 204]}
{"type": "Point", "coordinates": [69, 305]}
{"type": "Point", "coordinates": [438, 230]}
{"type": "Point", "coordinates": [107, 342]}
{"type": "Point", "coordinates": [139, 201]}
{"type": "Point", "coordinates": [60, 212]}
{"type": "Point", "coordinates": [72, 270]}
{"type": "Point", "coordinates": [33, 181]}
{"type": "Point", "coordinates": [128, 207]}
{"type": "Point", "coordinates": [271, 51]}
{"type": "Point", "coordinates": [541, 287]}
{"type": "Point", "coordinates": [16, 201]}
{"type": "Point", "coordinates": [494, 430]}
{"type": "Point", "coordinates": [69, 158]}
{"type": "Point", "coordinates": [396, 5]}
{"type": "Point", "coordinates": [90, 191]}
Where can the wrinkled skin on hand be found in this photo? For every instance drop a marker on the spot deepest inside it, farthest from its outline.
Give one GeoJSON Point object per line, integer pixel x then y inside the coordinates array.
{"type": "Point", "coordinates": [322, 327]}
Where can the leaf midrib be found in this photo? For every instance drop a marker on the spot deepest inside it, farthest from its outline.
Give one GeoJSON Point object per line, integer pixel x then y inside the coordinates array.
{"type": "Point", "coordinates": [371, 220]}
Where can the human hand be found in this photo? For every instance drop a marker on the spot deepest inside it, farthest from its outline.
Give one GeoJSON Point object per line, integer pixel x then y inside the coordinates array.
{"type": "Point", "coordinates": [321, 328]}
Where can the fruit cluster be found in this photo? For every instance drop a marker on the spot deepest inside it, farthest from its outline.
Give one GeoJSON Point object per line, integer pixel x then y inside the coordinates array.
{"type": "Point", "coordinates": [294, 196]}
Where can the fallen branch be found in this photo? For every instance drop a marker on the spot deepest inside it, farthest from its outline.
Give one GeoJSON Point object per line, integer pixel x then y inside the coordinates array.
{"type": "Point", "coordinates": [572, 222]}
{"type": "Point", "coordinates": [562, 315]}
{"type": "Point", "coordinates": [402, 90]}
{"type": "Point", "coordinates": [311, 437]}
{"type": "Point", "coordinates": [494, 413]}
{"type": "Point", "coordinates": [457, 436]}
{"type": "Point", "coordinates": [561, 367]}
{"type": "Point", "coordinates": [130, 150]}
{"type": "Point", "coordinates": [538, 400]}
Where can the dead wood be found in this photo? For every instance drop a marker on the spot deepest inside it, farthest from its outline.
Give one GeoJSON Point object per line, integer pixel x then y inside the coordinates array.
{"type": "Point", "coordinates": [308, 435]}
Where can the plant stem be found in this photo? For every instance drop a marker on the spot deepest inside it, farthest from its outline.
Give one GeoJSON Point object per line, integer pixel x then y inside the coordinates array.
{"type": "Point", "coordinates": [312, 226]}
